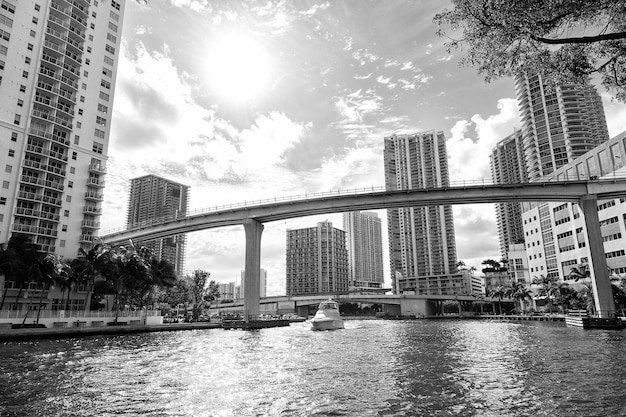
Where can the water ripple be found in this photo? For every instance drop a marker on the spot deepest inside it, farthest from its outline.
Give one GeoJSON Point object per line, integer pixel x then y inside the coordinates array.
{"type": "Point", "coordinates": [372, 368]}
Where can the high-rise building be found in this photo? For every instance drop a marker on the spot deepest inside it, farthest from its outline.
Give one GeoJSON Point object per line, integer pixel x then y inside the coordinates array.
{"type": "Point", "coordinates": [227, 291]}
{"type": "Point", "coordinates": [507, 167]}
{"type": "Point", "coordinates": [558, 125]}
{"type": "Point", "coordinates": [239, 290]}
{"type": "Point", "coordinates": [153, 199]}
{"type": "Point", "coordinates": [58, 65]}
{"type": "Point", "coordinates": [555, 232]}
{"type": "Point", "coordinates": [317, 260]}
{"type": "Point", "coordinates": [421, 239]}
{"type": "Point", "coordinates": [365, 249]}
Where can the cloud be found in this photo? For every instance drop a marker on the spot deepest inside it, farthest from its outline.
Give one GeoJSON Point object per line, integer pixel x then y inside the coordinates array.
{"type": "Point", "coordinates": [615, 114]}
{"type": "Point", "coordinates": [469, 157]}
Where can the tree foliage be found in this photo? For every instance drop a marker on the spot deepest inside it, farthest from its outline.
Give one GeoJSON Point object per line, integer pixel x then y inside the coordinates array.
{"type": "Point", "coordinates": [565, 41]}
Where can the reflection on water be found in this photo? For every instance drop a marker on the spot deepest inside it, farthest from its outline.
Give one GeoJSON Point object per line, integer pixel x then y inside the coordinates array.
{"type": "Point", "coordinates": [400, 368]}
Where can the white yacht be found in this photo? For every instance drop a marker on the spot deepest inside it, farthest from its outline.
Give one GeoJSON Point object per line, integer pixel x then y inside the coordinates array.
{"type": "Point", "coordinates": [327, 317]}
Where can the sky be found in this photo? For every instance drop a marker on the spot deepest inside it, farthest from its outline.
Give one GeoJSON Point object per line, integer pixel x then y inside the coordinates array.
{"type": "Point", "coordinates": [249, 100]}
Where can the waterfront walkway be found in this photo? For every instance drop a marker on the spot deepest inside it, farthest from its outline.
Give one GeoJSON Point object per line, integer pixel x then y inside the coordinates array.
{"type": "Point", "coordinates": [51, 333]}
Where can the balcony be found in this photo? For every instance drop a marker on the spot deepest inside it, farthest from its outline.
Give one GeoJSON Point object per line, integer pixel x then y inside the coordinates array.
{"type": "Point", "coordinates": [90, 195]}
{"type": "Point", "coordinates": [92, 210]}
{"type": "Point", "coordinates": [97, 168]}
{"type": "Point", "coordinates": [86, 238]}
{"type": "Point", "coordinates": [21, 211]}
{"type": "Point", "coordinates": [90, 224]}
{"type": "Point", "coordinates": [95, 182]}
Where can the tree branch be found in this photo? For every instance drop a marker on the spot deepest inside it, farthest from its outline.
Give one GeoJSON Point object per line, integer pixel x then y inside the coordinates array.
{"type": "Point", "coordinates": [583, 39]}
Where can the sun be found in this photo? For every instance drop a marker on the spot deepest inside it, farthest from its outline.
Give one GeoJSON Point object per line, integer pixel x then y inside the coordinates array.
{"type": "Point", "coordinates": [238, 67]}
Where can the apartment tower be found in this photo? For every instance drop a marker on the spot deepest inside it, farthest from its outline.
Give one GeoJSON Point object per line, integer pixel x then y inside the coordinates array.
{"type": "Point", "coordinates": [558, 124]}
{"type": "Point", "coordinates": [365, 249]}
{"type": "Point", "coordinates": [507, 167]}
{"type": "Point", "coordinates": [317, 260]}
{"type": "Point", "coordinates": [153, 199]}
{"type": "Point", "coordinates": [58, 64]}
{"type": "Point", "coordinates": [421, 239]}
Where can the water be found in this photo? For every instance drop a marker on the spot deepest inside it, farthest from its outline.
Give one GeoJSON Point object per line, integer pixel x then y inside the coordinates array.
{"type": "Point", "coordinates": [371, 368]}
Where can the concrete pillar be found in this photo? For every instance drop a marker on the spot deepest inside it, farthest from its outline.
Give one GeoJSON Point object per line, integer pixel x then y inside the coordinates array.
{"type": "Point", "coordinates": [252, 275]}
{"type": "Point", "coordinates": [605, 306]}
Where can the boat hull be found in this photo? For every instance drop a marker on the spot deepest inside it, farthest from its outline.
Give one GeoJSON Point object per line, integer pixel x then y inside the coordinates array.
{"type": "Point", "coordinates": [327, 324]}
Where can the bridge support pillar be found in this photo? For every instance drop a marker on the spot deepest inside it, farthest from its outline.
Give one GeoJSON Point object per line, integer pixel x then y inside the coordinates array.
{"type": "Point", "coordinates": [252, 273]}
{"type": "Point", "coordinates": [605, 306]}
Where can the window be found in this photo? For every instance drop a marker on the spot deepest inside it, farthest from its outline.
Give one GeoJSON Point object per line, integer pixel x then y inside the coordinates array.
{"type": "Point", "coordinates": [27, 60]}
{"type": "Point", "coordinates": [64, 228]}
{"type": "Point", "coordinates": [62, 244]}
{"type": "Point", "coordinates": [24, 74]}
{"type": "Point", "coordinates": [5, 35]}
{"type": "Point", "coordinates": [23, 88]}
{"type": "Point", "coordinates": [109, 49]}
{"type": "Point", "coordinates": [82, 99]}
{"type": "Point", "coordinates": [5, 184]}
{"type": "Point", "coordinates": [104, 96]}
{"type": "Point", "coordinates": [17, 119]}
{"type": "Point", "coordinates": [91, 38]}
{"type": "Point", "coordinates": [9, 7]}
{"type": "Point", "coordinates": [102, 108]}
{"type": "Point", "coordinates": [114, 16]}
{"type": "Point", "coordinates": [14, 137]}
{"type": "Point", "coordinates": [76, 139]}
{"type": "Point", "coordinates": [93, 26]}
{"type": "Point", "coordinates": [66, 213]}
{"type": "Point", "coordinates": [74, 155]}
{"type": "Point", "coordinates": [68, 199]}
{"type": "Point", "coordinates": [111, 38]}
{"type": "Point", "coordinates": [113, 27]}
{"type": "Point", "coordinates": [83, 86]}
{"type": "Point", "coordinates": [89, 49]}
{"type": "Point", "coordinates": [70, 184]}
{"type": "Point", "coordinates": [87, 61]}
{"type": "Point", "coordinates": [105, 84]}
{"type": "Point", "coordinates": [37, 7]}
{"type": "Point", "coordinates": [97, 147]}
{"type": "Point", "coordinates": [1, 65]}
{"type": "Point", "coordinates": [101, 121]}
{"type": "Point", "coordinates": [108, 60]}
{"type": "Point", "coordinates": [3, 201]}
{"type": "Point", "coordinates": [107, 72]}
{"type": "Point", "coordinates": [30, 47]}
{"type": "Point", "coordinates": [20, 102]}
{"type": "Point", "coordinates": [11, 153]}
{"type": "Point", "coordinates": [80, 112]}
{"type": "Point", "coordinates": [99, 133]}
{"type": "Point", "coordinates": [33, 33]}
{"type": "Point", "coordinates": [35, 20]}
{"type": "Point", "coordinates": [93, 14]}
{"type": "Point", "coordinates": [6, 20]}
{"type": "Point", "coordinates": [78, 124]}
{"type": "Point", "coordinates": [8, 169]}
{"type": "Point", "coordinates": [3, 50]}
{"type": "Point", "coordinates": [85, 74]}
{"type": "Point", "coordinates": [72, 170]}
{"type": "Point", "coordinates": [115, 5]}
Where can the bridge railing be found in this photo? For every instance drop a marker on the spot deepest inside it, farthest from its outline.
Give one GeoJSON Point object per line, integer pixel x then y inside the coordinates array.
{"type": "Point", "coordinates": [331, 193]}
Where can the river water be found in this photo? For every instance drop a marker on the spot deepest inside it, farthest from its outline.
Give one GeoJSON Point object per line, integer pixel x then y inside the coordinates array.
{"type": "Point", "coordinates": [370, 368]}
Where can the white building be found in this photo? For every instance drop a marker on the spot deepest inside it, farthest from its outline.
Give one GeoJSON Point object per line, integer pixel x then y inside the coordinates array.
{"type": "Point", "coordinates": [421, 239]}
{"type": "Point", "coordinates": [239, 292]}
{"type": "Point", "coordinates": [365, 249]}
{"type": "Point", "coordinates": [58, 65]}
{"type": "Point", "coordinates": [555, 233]}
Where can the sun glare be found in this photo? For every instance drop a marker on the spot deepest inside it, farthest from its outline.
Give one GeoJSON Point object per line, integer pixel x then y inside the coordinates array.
{"type": "Point", "coordinates": [238, 67]}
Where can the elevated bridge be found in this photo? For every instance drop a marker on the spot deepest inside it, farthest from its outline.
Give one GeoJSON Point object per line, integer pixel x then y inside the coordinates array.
{"type": "Point", "coordinates": [252, 215]}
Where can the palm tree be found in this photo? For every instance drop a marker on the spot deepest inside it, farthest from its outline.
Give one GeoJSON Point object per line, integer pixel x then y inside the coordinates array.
{"type": "Point", "coordinates": [520, 293]}
{"type": "Point", "coordinates": [44, 273]}
{"type": "Point", "coordinates": [498, 292]}
{"type": "Point", "coordinates": [548, 287]}
{"type": "Point", "coordinates": [15, 258]}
